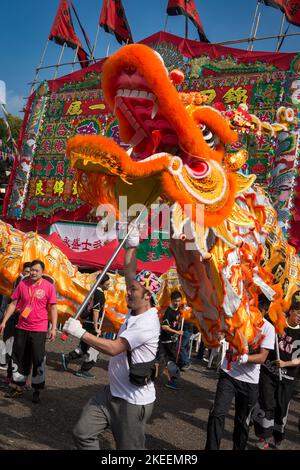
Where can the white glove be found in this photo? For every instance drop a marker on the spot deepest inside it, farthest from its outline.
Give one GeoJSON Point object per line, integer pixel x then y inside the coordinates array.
{"type": "Point", "coordinates": [243, 359]}
{"type": "Point", "coordinates": [74, 328]}
{"type": "Point", "coordinates": [134, 238]}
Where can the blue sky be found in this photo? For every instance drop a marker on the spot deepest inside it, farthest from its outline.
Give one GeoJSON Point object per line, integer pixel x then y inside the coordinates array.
{"type": "Point", "coordinates": [25, 25]}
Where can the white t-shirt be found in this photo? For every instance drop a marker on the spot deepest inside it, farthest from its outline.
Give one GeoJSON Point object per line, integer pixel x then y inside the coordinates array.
{"type": "Point", "coordinates": [249, 372]}
{"type": "Point", "coordinates": [142, 333]}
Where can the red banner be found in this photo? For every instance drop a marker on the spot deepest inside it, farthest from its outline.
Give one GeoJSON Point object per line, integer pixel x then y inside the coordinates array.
{"type": "Point", "coordinates": [187, 8]}
{"type": "Point", "coordinates": [62, 32]}
{"type": "Point", "coordinates": [291, 8]}
{"type": "Point", "coordinates": [113, 20]}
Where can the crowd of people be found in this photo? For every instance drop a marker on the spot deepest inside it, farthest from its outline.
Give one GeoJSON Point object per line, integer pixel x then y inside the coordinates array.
{"type": "Point", "coordinates": [262, 381]}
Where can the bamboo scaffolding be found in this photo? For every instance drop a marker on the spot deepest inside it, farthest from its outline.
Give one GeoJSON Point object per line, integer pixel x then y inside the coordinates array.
{"type": "Point", "coordinates": [75, 55]}
{"type": "Point", "coordinates": [255, 32]}
{"type": "Point", "coordinates": [59, 61]}
{"type": "Point", "coordinates": [280, 32]}
{"type": "Point", "coordinates": [39, 67]}
{"type": "Point", "coordinates": [264, 38]}
{"type": "Point", "coordinates": [253, 23]}
{"type": "Point", "coordinates": [95, 43]}
{"type": "Point", "coordinates": [186, 23]}
{"type": "Point", "coordinates": [236, 41]}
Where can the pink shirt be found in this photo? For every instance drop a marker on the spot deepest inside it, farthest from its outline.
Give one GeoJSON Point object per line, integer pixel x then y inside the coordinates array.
{"type": "Point", "coordinates": [38, 297]}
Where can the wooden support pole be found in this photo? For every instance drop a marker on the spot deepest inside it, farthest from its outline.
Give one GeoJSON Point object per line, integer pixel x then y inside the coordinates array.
{"type": "Point", "coordinates": [280, 32]}
{"type": "Point", "coordinates": [39, 67]}
{"type": "Point", "coordinates": [95, 44]}
{"type": "Point", "coordinates": [59, 61]}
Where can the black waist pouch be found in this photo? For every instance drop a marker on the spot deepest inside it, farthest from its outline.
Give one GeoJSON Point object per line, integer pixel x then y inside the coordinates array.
{"type": "Point", "coordinates": [143, 372]}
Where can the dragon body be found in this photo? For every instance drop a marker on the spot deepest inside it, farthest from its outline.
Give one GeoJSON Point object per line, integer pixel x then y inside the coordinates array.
{"type": "Point", "coordinates": [225, 237]}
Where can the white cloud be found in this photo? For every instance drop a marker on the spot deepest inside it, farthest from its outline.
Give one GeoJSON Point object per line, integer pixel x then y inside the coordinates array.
{"type": "Point", "coordinates": [14, 103]}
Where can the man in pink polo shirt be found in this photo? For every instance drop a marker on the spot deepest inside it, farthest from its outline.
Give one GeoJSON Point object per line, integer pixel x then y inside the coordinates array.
{"type": "Point", "coordinates": [34, 298]}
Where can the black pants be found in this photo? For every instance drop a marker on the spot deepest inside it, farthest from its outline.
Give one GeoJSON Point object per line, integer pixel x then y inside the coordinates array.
{"type": "Point", "coordinates": [246, 395]}
{"type": "Point", "coordinates": [270, 414]}
{"type": "Point", "coordinates": [168, 352]}
{"type": "Point", "coordinates": [29, 350]}
{"type": "Point", "coordinates": [83, 351]}
{"type": "Point", "coordinates": [8, 336]}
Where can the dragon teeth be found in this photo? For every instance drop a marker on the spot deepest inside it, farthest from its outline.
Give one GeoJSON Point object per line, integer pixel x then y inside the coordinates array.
{"type": "Point", "coordinates": [126, 93]}
{"type": "Point", "coordinates": [154, 109]}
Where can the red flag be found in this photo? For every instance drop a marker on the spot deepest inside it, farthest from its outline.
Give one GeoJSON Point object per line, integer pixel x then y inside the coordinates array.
{"type": "Point", "coordinates": [187, 8]}
{"type": "Point", "coordinates": [113, 20]}
{"type": "Point", "coordinates": [291, 8]}
{"type": "Point", "coordinates": [62, 32]}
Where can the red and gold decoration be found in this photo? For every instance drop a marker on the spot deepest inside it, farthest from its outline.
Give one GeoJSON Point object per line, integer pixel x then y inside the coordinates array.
{"type": "Point", "coordinates": [179, 150]}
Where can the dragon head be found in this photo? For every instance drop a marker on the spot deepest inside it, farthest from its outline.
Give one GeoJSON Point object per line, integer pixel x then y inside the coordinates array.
{"type": "Point", "coordinates": [177, 145]}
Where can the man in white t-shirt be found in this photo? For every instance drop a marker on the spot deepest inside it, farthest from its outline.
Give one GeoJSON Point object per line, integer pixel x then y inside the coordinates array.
{"type": "Point", "coordinates": [239, 377]}
{"type": "Point", "coordinates": [122, 405]}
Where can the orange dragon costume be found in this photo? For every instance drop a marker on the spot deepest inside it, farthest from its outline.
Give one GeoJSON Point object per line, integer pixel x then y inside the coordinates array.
{"type": "Point", "coordinates": [178, 152]}
{"type": "Point", "coordinates": [71, 285]}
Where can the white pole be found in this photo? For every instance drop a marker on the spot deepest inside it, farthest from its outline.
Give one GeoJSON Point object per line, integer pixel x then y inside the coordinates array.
{"type": "Point", "coordinates": [95, 43]}
{"type": "Point", "coordinates": [107, 49]}
{"type": "Point", "coordinates": [59, 61]}
{"type": "Point", "coordinates": [166, 22]}
{"type": "Point", "coordinates": [256, 28]}
{"type": "Point", "coordinates": [280, 33]}
{"type": "Point", "coordinates": [75, 57]}
{"type": "Point", "coordinates": [39, 67]}
{"type": "Point", "coordinates": [278, 356]}
{"type": "Point", "coordinates": [253, 23]}
{"type": "Point", "coordinates": [180, 341]}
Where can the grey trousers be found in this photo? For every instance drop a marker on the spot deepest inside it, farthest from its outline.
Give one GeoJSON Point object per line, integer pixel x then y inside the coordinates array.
{"type": "Point", "coordinates": [126, 421]}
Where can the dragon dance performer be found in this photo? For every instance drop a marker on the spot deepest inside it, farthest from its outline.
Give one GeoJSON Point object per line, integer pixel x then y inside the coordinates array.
{"type": "Point", "coordinates": [91, 318]}
{"type": "Point", "coordinates": [239, 378]}
{"type": "Point", "coordinates": [127, 403]}
{"type": "Point", "coordinates": [169, 338]}
{"type": "Point", "coordinates": [275, 393]}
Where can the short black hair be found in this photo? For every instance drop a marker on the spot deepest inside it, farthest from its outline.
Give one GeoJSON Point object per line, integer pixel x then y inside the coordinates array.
{"type": "Point", "coordinates": [38, 261]}
{"type": "Point", "coordinates": [26, 265]}
{"type": "Point", "coordinates": [104, 279]}
{"type": "Point", "coordinates": [295, 305]}
{"type": "Point", "coordinates": [263, 302]}
{"type": "Point", "coordinates": [176, 295]}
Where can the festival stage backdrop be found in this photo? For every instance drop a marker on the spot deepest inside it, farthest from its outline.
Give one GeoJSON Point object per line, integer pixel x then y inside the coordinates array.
{"type": "Point", "coordinates": [42, 188]}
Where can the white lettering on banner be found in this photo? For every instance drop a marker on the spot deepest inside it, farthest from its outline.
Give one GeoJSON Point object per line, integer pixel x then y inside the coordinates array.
{"type": "Point", "coordinates": [81, 237]}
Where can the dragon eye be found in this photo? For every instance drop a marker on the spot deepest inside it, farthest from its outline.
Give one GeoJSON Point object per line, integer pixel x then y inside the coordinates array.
{"type": "Point", "coordinates": [200, 167]}
{"type": "Point", "coordinates": [208, 136]}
